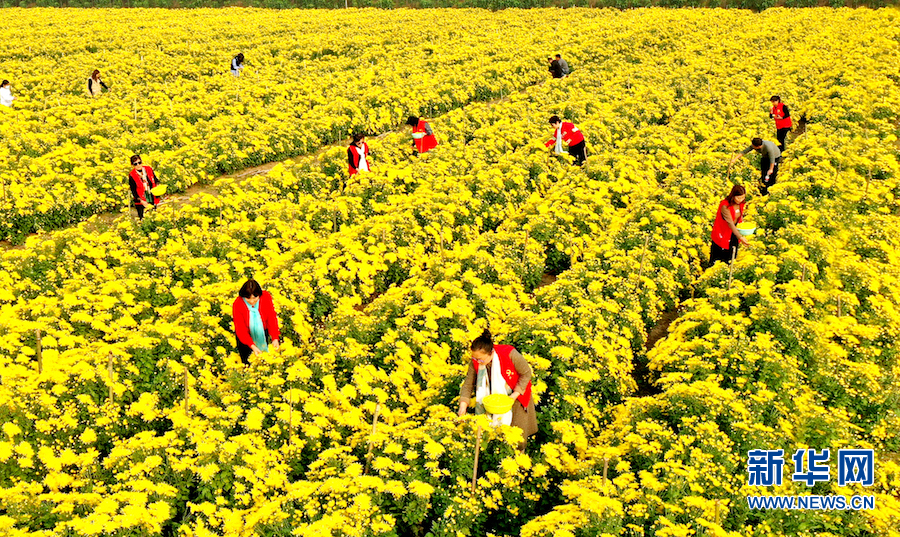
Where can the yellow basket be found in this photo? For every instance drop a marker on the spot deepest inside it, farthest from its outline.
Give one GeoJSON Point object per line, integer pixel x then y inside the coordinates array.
{"type": "Point", "coordinates": [497, 403]}
{"type": "Point", "coordinates": [158, 190]}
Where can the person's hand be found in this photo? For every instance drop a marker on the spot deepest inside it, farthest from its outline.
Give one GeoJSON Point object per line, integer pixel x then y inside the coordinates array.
{"type": "Point", "coordinates": [255, 349]}
{"type": "Point", "coordinates": [743, 241]}
{"type": "Point", "coordinates": [515, 395]}
{"type": "Point", "coordinates": [275, 345]}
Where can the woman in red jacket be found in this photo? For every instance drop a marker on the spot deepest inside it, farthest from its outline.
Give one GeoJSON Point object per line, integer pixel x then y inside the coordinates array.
{"type": "Point", "coordinates": [499, 369]}
{"type": "Point", "coordinates": [424, 139]}
{"type": "Point", "coordinates": [782, 117]}
{"type": "Point", "coordinates": [254, 319]}
{"type": "Point", "coordinates": [725, 235]}
{"type": "Point", "coordinates": [569, 133]}
{"type": "Point", "coordinates": [358, 155]}
{"type": "Point", "coordinates": [141, 180]}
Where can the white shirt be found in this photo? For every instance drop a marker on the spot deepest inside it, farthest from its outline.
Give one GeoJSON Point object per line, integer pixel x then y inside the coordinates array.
{"type": "Point", "coordinates": [559, 147]}
{"type": "Point", "coordinates": [363, 165]}
{"type": "Point", "coordinates": [6, 97]}
{"type": "Point", "coordinates": [497, 385]}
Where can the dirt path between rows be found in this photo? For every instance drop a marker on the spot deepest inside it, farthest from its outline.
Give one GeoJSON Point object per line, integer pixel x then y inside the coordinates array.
{"type": "Point", "coordinates": [102, 221]}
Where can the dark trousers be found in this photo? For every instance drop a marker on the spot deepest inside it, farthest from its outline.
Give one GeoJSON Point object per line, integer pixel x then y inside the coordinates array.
{"type": "Point", "coordinates": [577, 151]}
{"type": "Point", "coordinates": [764, 184]}
{"type": "Point", "coordinates": [245, 351]}
{"type": "Point", "coordinates": [140, 208]}
{"type": "Point", "coordinates": [782, 135]}
{"type": "Point", "coordinates": [717, 253]}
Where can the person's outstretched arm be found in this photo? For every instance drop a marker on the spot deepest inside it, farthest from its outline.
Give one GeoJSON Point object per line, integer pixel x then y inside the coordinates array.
{"type": "Point", "coordinates": [740, 154]}
{"type": "Point", "coordinates": [726, 214]}
{"type": "Point", "coordinates": [466, 389]}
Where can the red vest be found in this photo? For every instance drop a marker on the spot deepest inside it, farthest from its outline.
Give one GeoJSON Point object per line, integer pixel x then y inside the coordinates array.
{"type": "Point", "coordinates": [721, 232]}
{"type": "Point", "coordinates": [781, 122]}
{"type": "Point", "coordinates": [427, 142]}
{"type": "Point", "coordinates": [151, 178]}
{"type": "Point", "coordinates": [353, 157]}
{"type": "Point", "coordinates": [508, 370]}
{"type": "Point", "coordinates": [570, 134]}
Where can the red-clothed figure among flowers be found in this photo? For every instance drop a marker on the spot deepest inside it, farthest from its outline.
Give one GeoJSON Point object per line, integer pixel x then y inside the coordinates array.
{"type": "Point", "coordinates": [725, 235]}
{"type": "Point", "coordinates": [423, 137]}
{"type": "Point", "coordinates": [567, 132]}
{"type": "Point", "coordinates": [255, 321]}
{"type": "Point", "coordinates": [358, 155]}
{"type": "Point", "coordinates": [782, 117]}
{"type": "Point", "coordinates": [499, 369]}
{"type": "Point", "coordinates": [142, 179]}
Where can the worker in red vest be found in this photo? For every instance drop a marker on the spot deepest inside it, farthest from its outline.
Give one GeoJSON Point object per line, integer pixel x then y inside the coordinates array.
{"type": "Point", "coordinates": [255, 321]}
{"type": "Point", "coordinates": [782, 117]}
{"type": "Point", "coordinates": [141, 180]}
{"type": "Point", "coordinates": [568, 133]}
{"type": "Point", "coordinates": [725, 235]}
{"type": "Point", "coordinates": [423, 137]}
{"type": "Point", "coordinates": [499, 369]}
{"type": "Point", "coordinates": [358, 155]}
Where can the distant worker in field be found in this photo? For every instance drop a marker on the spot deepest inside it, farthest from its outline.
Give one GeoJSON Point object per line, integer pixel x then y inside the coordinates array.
{"type": "Point", "coordinates": [237, 64]}
{"type": "Point", "coordinates": [6, 96]}
{"type": "Point", "coordinates": [768, 162]}
{"type": "Point", "coordinates": [563, 65]}
{"type": "Point", "coordinates": [424, 139]}
{"type": "Point", "coordinates": [357, 155]}
{"type": "Point", "coordinates": [142, 180]}
{"type": "Point", "coordinates": [725, 235]}
{"type": "Point", "coordinates": [568, 133]}
{"type": "Point", "coordinates": [782, 117]}
{"type": "Point", "coordinates": [555, 68]}
{"type": "Point", "coordinates": [499, 369]}
{"type": "Point", "coordinates": [255, 322]}
{"type": "Point", "coordinates": [95, 85]}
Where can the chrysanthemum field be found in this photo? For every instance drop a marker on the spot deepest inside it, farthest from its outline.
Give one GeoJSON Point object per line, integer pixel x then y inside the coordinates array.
{"type": "Point", "coordinates": [126, 412]}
